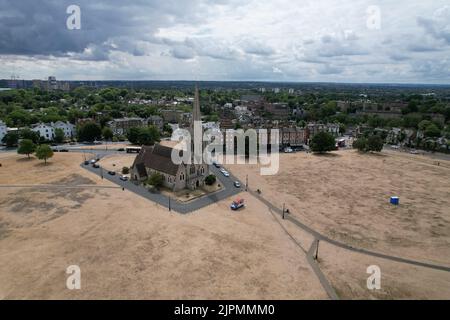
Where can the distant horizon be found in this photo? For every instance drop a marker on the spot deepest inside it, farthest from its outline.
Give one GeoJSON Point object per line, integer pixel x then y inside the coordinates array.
{"type": "Point", "coordinates": [407, 84]}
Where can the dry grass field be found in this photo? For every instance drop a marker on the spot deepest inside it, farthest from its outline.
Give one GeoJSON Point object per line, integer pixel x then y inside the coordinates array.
{"type": "Point", "coordinates": [345, 196]}
{"type": "Point", "coordinates": [128, 247]}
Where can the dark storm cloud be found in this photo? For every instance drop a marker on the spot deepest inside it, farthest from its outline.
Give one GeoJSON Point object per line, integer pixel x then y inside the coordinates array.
{"type": "Point", "coordinates": [29, 27]}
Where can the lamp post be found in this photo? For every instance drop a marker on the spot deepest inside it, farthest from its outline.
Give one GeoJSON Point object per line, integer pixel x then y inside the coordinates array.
{"type": "Point", "coordinates": [246, 182]}
{"type": "Point", "coordinates": [170, 208]}
{"type": "Point", "coordinates": [317, 250]}
{"type": "Point", "coordinates": [283, 209]}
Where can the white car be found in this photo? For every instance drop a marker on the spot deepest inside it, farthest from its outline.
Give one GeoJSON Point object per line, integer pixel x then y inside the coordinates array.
{"type": "Point", "coordinates": [225, 173]}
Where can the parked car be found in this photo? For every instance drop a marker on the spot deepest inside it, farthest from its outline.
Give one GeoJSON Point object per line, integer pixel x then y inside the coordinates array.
{"type": "Point", "coordinates": [93, 161]}
{"type": "Point", "coordinates": [414, 152]}
{"type": "Point", "coordinates": [121, 149]}
{"type": "Point", "coordinates": [112, 173]}
{"type": "Point", "coordinates": [216, 165]}
{"type": "Point", "coordinates": [86, 163]}
{"type": "Point", "coordinates": [237, 184]}
{"type": "Point", "coordinates": [63, 150]}
{"type": "Point", "coordinates": [225, 173]}
{"type": "Point", "coordinates": [95, 165]}
{"type": "Point", "coordinates": [124, 178]}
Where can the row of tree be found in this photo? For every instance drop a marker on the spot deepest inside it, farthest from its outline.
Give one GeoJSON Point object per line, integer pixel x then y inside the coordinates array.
{"type": "Point", "coordinates": [28, 147]}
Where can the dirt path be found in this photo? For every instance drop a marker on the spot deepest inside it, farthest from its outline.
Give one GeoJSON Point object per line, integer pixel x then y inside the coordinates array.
{"type": "Point", "coordinates": [322, 237]}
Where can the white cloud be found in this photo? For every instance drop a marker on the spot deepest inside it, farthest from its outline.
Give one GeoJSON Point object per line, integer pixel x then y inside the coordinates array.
{"type": "Point", "coordinates": [310, 40]}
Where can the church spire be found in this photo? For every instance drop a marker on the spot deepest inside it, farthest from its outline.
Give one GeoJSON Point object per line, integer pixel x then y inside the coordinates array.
{"type": "Point", "coordinates": [196, 116]}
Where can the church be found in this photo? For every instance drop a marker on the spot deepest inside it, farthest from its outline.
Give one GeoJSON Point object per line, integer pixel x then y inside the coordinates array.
{"type": "Point", "coordinates": [158, 159]}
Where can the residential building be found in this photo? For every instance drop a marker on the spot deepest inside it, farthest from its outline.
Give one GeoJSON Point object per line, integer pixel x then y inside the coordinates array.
{"type": "Point", "coordinates": [121, 126]}
{"type": "Point", "coordinates": [156, 121]}
{"type": "Point", "coordinates": [294, 136]}
{"type": "Point", "coordinates": [278, 110]}
{"type": "Point", "coordinates": [3, 130]}
{"type": "Point", "coordinates": [45, 130]}
{"type": "Point", "coordinates": [68, 128]}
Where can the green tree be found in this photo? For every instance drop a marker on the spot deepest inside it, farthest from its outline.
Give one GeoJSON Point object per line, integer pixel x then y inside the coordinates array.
{"type": "Point", "coordinates": [44, 152]}
{"type": "Point", "coordinates": [323, 142]}
{"type": "Point", "coordinates": [90, 131]}
{"type": "Point", "coordinates": [432, 131]}
{"type": "Point", "coordinates": [375, 143]}
{"type": "Point", "coordinates": [133, 135]}
{"type": "Point", "coordinates": [144, 136]}
{"type": "Point", "coordinates": [107, 133]}
{"type": "Point", "coordinates": [59, 135]}
{"type": "Point", "coordinates": [27, 147]}
{"type": "Point", "coordinates": [27, 133]}
{"type": "Point", "coordinates": [125, 170]}
{"type": "Point", "coordinates": [360, 144]}
{"type": "Point", "coordinates": [167, 129]}
{"type": "Point", "coordinates": [210, 180]}
{"type": "Point", "coordinates": [11, 139]}
{"type": "Point", "coordinates": [156, 180]}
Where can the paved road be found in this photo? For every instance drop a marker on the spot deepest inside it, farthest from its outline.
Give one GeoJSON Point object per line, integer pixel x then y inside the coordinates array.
{"type": "Point", "coordinates": [322, 237]}
{"type": "Point", "coordinates": [227, 191]}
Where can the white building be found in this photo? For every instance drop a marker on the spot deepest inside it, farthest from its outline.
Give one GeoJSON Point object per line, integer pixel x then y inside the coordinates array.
{"type": "Point", "coordinates": [45, 130]}
{"type": "Point", "coordinates": [68, 128]}
{"type": "Point", "coordinates": [3, 130]}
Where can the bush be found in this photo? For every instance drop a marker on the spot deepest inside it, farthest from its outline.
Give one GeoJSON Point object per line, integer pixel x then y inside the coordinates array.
{"type": "Point", "coordinates": [156, 180]}
{"type": "Point", "coordinates": [210, 180]}
{"type": "Point", "coordinates": [125, 170]}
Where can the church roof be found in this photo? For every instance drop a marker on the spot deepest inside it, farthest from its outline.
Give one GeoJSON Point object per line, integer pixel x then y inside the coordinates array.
{"type": "Point", "coordinates": [158, 158]}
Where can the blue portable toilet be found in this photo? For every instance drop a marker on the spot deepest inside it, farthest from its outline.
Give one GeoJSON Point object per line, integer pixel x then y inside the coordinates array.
{"type": "Point", "coordinates": [395, 201]}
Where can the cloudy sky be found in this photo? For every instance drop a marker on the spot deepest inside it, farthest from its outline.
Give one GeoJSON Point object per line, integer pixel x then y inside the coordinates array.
{"type": "Point", "coordinates": [403, 41]}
